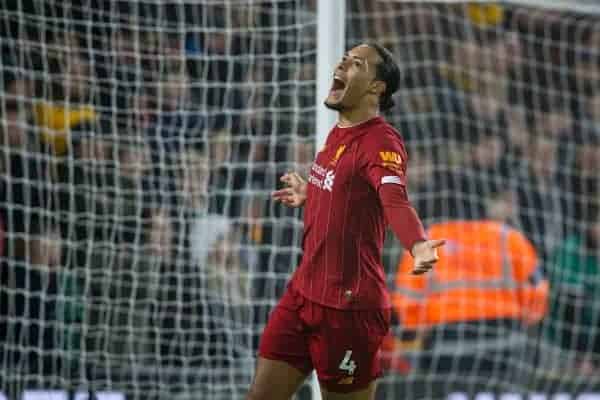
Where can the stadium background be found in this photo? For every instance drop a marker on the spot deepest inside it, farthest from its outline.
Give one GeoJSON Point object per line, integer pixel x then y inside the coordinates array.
{"type": "Point", "coordinates": [140, 141]}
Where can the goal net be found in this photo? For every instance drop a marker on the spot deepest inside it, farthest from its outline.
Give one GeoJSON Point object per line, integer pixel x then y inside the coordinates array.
{"type": "Point", "coordinates": [499, 110]}
{"type": "Point", "coordinates": [140, 141]}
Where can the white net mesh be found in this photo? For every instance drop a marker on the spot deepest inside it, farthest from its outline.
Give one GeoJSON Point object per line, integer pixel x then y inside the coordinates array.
{"type": "Point", "coordinates": [499, 110]}
{"type": "Point", "coordinates": [140, 142]}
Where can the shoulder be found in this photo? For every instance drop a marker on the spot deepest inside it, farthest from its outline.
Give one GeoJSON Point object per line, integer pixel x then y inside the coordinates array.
{"type": "Point", "coordinates": [383, 137]}
{"type": "Point", "coordinates": [383, 131]}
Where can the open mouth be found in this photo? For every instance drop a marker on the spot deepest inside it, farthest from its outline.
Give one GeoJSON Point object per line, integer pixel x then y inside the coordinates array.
{"type": "Point", "coordinates": [337, 87]}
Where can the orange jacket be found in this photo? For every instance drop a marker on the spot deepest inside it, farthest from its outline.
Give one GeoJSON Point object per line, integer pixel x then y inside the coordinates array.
{"type": "Point", "coordinates": [486, 271]}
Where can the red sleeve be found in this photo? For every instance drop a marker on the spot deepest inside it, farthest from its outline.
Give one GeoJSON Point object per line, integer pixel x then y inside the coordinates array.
{"type": "Point", "coordinates": [401, 216]}
{"type": "Point", "coordinates": [385, 163]}
{"type": "Point", "coordinates": [384, 160]}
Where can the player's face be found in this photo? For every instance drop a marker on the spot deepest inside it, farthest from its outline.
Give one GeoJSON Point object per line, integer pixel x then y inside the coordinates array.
{"type": "Point", "coordinates": [353, 78]}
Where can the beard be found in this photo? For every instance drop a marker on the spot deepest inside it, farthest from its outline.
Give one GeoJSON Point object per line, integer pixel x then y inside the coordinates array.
{"type": "Point", "coordinates": [334, 107]}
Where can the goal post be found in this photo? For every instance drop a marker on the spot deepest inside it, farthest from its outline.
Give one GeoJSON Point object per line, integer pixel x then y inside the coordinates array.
{"type": "Point", "coordinates": [331, 41]}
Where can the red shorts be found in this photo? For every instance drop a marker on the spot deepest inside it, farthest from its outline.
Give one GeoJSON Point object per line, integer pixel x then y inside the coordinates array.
{"type": "Point", "coordinates": [341, 345]}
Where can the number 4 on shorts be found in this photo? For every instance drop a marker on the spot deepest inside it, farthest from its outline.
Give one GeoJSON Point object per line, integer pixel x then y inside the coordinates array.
{"type": "Point", "coordinates": [348, 364]}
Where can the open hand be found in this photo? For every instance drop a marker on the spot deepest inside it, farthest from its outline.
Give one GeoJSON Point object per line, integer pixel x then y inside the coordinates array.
{"type": "Point", "coordinates": [425, 255]}
{"type": "Point", "coordinates": [294, 194]}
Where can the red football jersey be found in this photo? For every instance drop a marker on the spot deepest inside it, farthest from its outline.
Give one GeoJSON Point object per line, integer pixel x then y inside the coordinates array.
{"type": "Point", "coordinates": [344, 223]}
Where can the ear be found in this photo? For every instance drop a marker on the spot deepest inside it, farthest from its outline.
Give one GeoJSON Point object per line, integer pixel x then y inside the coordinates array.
{"type": "Point", "coordinates": [377, 88]}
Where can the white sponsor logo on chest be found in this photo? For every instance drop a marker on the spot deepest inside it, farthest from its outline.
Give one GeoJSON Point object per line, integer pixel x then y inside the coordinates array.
{"type": "Point", "coordinates": [321, 177]}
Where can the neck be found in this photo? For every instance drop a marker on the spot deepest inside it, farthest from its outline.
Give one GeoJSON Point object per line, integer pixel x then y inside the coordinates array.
{"type": "Point", "coordinates": [348, 118]}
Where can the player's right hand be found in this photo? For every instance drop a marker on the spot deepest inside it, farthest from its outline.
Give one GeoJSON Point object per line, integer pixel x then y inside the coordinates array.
{"type": "Point", "coordinates": [294, 194]}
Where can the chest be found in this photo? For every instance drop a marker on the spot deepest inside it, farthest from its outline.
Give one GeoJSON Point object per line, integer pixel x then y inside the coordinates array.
{"type": "Point", "coordinates": [335, 169]}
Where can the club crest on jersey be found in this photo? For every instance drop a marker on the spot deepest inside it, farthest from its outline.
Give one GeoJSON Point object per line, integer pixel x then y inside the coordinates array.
{"type": "Point", "coordinates": [338, 154]}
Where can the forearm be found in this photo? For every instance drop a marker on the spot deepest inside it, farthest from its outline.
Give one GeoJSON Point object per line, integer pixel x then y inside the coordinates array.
{"type": "Point", "coordinates": [401, 216]}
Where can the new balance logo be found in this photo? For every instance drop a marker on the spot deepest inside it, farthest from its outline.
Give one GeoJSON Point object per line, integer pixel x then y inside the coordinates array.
{"type": "Point", "coordinates": [349, 380]}
{"type": "Point", "coordinates": [328, 181]}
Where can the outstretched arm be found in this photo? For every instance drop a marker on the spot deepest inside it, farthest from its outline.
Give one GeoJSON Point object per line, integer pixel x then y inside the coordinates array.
{"type": "Point", "coordinates": [294, 194]}
{"type": "Point", "coordinates": [408, 228]}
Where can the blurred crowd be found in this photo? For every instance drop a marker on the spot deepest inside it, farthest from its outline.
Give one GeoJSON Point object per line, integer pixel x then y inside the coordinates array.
{"type": "Point", "coordinates": [137, 160]}
{"type": "Point", "coordinates": [139, 146]}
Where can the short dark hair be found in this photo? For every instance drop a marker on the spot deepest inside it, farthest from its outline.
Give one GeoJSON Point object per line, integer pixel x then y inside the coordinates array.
{"type": "Point", "coordinates": [388, 72]}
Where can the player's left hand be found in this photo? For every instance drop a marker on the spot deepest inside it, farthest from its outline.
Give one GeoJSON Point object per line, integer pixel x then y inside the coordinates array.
{"type": "Point", "coordinates": [425, 255]}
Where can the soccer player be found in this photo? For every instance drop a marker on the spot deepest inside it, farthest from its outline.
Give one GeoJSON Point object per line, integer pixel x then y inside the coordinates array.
{"type": "Point", "coordinates": [336, 309]}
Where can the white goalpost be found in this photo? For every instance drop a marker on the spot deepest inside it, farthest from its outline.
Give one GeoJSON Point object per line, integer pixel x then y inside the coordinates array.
{"type": "Point", "coordinates": [331, 41]}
